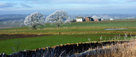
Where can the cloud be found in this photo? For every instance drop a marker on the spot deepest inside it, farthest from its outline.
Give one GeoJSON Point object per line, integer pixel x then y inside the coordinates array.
{"type": "Point", "coordinates": [38, 1]}
{"type": "Point", "coordinates": [27, 6]}
{"type": "Point", "coordinates": [67, 1]}
{"type": "Point", "coordinates": [70, 1]}
{"type": "Point", "coordinates": [131, 0]}
{"type": "Point", "coordinates": [5, 5]}
{"type": "Point", "coordinates": [79, 1]}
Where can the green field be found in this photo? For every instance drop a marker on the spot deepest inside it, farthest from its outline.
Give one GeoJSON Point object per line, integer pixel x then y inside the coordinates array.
{"type": "Point", "coordinates": [74, 33]}
{"type": "Point", "coordinates": [45, 41]}
{"type": "Point", "coordinates": [76, 28]}
{"type": "Point", "coordinates": [114, 23]}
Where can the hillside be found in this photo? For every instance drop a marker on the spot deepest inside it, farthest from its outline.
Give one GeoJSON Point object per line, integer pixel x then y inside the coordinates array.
{"type": "Point", "coordinates": [73, 33]}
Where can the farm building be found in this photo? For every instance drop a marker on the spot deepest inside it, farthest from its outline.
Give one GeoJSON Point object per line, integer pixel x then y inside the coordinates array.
{"type": "Point", "coordinates": [96, 18]}
{"type": "Point", "coordinates": [89, 19]}
{"type": "Point", "coordinates": [99, 19]}
{"type": "Point", "coordinates": [111, 19]}
{"type": "Point", "coordinates": [79, 19]}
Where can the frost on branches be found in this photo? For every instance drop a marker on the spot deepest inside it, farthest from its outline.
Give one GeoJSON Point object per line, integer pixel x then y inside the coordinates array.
{"type": "Point", "coordinates": [34, 20]}
{"type": "Point", "coordinates": [58, 18]}
{"type": "Point", "coordinates": [68, 21]}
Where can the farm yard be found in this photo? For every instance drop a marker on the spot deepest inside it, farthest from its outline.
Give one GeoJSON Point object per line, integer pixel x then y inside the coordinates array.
{"type": "Point", "coordinates": [25, 38]}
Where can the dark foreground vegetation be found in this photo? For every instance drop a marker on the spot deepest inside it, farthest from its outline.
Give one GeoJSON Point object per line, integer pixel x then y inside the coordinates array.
{"type": "Point", "coordinates": [66, 50]}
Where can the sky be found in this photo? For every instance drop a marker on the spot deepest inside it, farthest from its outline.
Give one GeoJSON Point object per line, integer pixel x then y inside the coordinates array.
{"type": "Point", "coordinates": [70, 6]}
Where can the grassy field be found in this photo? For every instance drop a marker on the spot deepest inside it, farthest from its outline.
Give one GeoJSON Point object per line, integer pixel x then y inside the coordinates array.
{"type": "Point", "coordinates": [45, 41]}
{"type": "Point", "coordinates": [114, 23]}
{"type": "Point", "coordinates": [74, 33]}
{"type": "Point", "coordinates": [77, 28]}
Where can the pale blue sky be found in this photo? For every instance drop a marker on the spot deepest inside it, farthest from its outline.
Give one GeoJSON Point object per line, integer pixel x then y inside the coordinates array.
{"type": "Point", "coordinates": [71, 6]}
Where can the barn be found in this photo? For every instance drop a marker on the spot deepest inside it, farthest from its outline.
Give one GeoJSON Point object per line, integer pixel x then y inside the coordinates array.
{"type": "Point", "coordinates": [89, 19]}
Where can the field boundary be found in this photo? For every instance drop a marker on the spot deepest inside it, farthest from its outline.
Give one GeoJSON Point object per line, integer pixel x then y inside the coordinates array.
{"type": "Point", "coordinates": [68, 49]}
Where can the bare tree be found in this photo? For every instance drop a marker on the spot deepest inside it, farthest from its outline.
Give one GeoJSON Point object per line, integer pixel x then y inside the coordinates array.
{"type": "Point", "coordinates": [57, 17]}
{"type": "Point", "coordinates": [34, 20]}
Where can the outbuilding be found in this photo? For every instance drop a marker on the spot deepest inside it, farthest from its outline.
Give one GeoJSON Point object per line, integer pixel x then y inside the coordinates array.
{"type": "Point", "coordinates": [79, 19]}
{"type": "Point", "coordinates": [96, 18]}
{"type": "Point", "coordinates": [111, 19]}
{"type": "Point", "coordinates": [89, 19]}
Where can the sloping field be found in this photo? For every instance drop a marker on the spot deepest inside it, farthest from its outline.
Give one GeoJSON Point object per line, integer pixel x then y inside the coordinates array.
{"type": "Point", "coordinates": [22, 38]}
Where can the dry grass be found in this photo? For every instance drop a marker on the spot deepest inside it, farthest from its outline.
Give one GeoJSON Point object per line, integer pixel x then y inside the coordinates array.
{"type": "Point", "coordinates": [120, 50]}
{"type": "Point", "coordinates": [117, 50]}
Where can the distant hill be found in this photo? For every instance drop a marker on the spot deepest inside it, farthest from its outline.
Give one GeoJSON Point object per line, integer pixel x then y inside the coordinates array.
{"type": "Point", "coordinates": [8, 17]}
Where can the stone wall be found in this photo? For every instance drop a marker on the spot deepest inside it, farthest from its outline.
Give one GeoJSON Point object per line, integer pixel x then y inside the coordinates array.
{"type": "Point", "coordinates": [66, 50]}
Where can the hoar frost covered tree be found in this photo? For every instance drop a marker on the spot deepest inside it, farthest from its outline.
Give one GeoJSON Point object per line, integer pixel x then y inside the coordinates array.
{"type": "Point", "coordinates": [68, 21]}
{"type": "Point", "coordinates": [34, 20]}
{"type": "Point", "coordinates": [59, 17]}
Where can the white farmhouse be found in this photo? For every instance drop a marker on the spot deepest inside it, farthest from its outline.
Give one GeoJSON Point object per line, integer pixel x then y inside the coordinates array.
{"type": "Point", "coordinates": [79, 19]}
{"type": "Point", "coordinates": [111, 19]}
